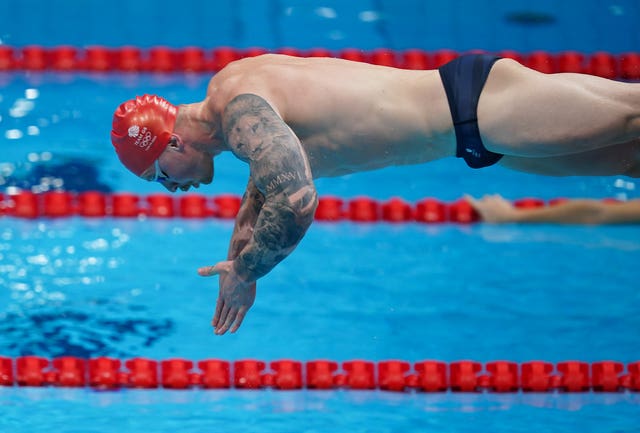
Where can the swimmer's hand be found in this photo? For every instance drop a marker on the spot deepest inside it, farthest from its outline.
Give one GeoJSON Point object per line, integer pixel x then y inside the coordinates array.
{"type": "Point", "coordinates": [235, 297]}
{"type": "Point", "coordinates": [494, 208]}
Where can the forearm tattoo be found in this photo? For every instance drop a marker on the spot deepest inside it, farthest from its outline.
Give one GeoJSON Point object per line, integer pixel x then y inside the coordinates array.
{"type": "Point", "coordinates": [252, 202]}
{"type": "Point", "coordinates": [281, 174]}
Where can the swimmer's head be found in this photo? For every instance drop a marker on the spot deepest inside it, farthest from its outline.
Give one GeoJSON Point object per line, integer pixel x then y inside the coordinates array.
{"type": "Point", "coordinates": [141, 130]}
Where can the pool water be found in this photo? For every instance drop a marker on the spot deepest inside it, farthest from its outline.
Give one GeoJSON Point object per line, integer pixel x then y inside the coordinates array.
{"type": "Point", "coordinates": [125, 288]}
{"type": "Point", "coordinates": [42, 410]}
{"type": "Point", "coordinates": [128, 287]}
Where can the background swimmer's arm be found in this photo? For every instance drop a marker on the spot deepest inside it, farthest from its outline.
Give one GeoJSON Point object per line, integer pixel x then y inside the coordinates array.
{"type": "Point", "coordinates": [496, 209]}
{"type": "Point", "coordinates": [281, 172]}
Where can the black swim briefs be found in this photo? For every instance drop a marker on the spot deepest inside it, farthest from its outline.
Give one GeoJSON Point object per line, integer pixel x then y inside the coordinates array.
{"type": "Point", "coordinates": [463, 79]}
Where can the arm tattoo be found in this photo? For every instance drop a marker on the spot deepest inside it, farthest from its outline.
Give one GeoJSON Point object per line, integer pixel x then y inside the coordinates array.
{"type": "Point", "coordinates": [282, 177]}
{"type": "Point", "coordinates": [252, 202]}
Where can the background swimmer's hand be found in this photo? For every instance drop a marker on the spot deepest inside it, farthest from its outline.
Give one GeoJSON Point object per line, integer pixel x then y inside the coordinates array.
{"type": "Point", "coordinates": [494, 208]}
{"type": "Point", "coordinates": [235, 297]}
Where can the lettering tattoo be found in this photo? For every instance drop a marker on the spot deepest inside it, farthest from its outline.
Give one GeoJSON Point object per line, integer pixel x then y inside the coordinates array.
{"type": "Point", "coordinates": [282, 177]}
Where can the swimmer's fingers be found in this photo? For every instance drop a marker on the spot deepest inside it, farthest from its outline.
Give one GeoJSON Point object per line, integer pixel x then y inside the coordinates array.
{"type": "Point", "coordinates": [232, 321]}
{"type": "Point", "coordinates": [239, 318]}
{"type": "Point", "coordinates": [221, 327]}
{"type": "Point", "coordinates": [216, 315]}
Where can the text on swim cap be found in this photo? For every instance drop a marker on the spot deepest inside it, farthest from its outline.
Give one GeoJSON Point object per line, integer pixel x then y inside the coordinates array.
{"type": "Point", "coordinates": [144, 137]}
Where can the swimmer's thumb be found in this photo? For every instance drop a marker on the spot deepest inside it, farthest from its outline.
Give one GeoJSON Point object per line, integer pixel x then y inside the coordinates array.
{"type": "Point", "coordinates": [208, 271]}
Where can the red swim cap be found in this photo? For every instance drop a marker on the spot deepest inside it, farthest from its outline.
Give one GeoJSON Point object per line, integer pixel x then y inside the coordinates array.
{"type": "Point", "coordinates": [141, 130]}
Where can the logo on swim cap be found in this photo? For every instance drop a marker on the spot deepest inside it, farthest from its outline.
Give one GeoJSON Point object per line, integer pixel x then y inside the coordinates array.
{"type": "Point", "coordinates": [141, 130]}
{"type": "Point", "coordinates": [134, 131]}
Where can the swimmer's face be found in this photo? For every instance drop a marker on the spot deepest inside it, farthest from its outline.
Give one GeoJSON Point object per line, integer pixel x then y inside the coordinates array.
{"type": "Point", "coordinates": [180, 167]}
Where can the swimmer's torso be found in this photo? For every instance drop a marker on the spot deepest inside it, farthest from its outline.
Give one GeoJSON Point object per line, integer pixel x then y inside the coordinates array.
{"type": "Point", "coordinates": [349, 116]}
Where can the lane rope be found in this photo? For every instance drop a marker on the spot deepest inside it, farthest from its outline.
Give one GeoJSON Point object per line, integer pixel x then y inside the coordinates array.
{"type": "Point", "coordinates": [94, 204]}
{"type": "Point", "coordinates": [193, 59]}
{"type": "Point", "coordinates": [286, 374]}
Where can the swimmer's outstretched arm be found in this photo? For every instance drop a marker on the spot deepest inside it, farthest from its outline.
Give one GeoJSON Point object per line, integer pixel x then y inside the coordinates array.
{"type": "Point", "coordinates": [280, 172]}
{"type": "Point", "coordinates": [252, 202]}
{"type": "Point", "coordinates": [496, 209]}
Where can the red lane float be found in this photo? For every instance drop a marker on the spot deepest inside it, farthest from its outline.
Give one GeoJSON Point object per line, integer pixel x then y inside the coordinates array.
{"type": "Point", "coordinates": [384, 57]}
{"type": "Point", "coordinates": [603, 65]}
{"type": "Point", "coordinates": [354, 55]}
{"type": "Point", "coordinates": [69, 371]}
{"type": "Point", "coordinates": [104, 373]}
{"type": "Point", "coordinates": [397, 210]}
{"type": "Point", "coordinates": [431, 376]}
{"type": "Point", "coordinates": [630, 66]}
{"type": "Point", "coordinates": [542, 62]}
{"type": "Point", "coordinates": [359, 374]}
{"type": "Point", "coordinates": [431, 210]}
{"type": "Point", "coordinates": [161, 206]}
{"type": "Point", "coordinates": [536, 376]}
{"type": "Point", "coordinates": [34, 58]}
{"type": "Point", "coordinates": [574, 376]}
{"type": "Point", "coordinates": [190, 59]}
{"type": "Point", "coordinates": [128, 59]}
{"type": "Point", "coordinates": [571, 61]}
{"type": "Point", "coordinates": [286, 374]}
{"type": "Point", "coordinates": [216, 373]}
{"type": "Point", "coordinates": [416, 60]}
{"type": "Point", "coordinates": [320, 374]}
{"type": "Point", "coordinates": [392, 375]}
{"type": "Point", "coordinates": [162, 59]}
{"type": "Point", "coordinates": [30, 370]}
{"type": "Point", "coordinates": [363, 209]}
{"type": "Point", "coordinates": [58, 204]}
{"type": "Point", "coordinates": [176, 374]}
{"type": "Point", "coordinates": [98, 59]}
{"type": "Point", "coordinates": [441, 57]}
{"type": "Point", "coordinates": [8, 60]}
{"type": "Point", "coordinates": [143, 373]}
{"type": "Point", "coordinates": [65, 58]}
{"type": "Point", "coordinates": [223, 56]}
{"type": "Point", "coordinates": [92, 204]}
{"type": "Point", "coordinates": [247, 374]}
{"type": "Point", "coordinates": [462, 212]}
{"type": "Point", "coordinates": [125, 205]}
{"type": "Point", "coordinates": [330, 209]}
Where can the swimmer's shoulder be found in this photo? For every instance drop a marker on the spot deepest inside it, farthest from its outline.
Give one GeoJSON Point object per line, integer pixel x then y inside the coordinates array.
{"type": "Point", "coordinates": [260, 75]}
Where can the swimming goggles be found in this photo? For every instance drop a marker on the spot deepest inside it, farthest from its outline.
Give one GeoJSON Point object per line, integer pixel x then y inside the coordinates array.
{"type": "Point", "coordinates": [159, 176]}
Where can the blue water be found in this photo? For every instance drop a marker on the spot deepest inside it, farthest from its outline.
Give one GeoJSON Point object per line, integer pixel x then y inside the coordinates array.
{"type": "Point", "coordinates": [125, 288]}
{"type": "Point", "coordinates": [304, 411]}
{"type": "Point", "coordinates": [129, 288]}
